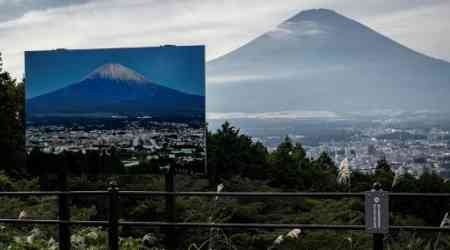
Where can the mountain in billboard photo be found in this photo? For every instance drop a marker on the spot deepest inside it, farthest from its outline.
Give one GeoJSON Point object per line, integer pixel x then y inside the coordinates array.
{"type": "Point", "coordinates": [321, 60]}
{"type": "Point", "coordinates": [115, 89]}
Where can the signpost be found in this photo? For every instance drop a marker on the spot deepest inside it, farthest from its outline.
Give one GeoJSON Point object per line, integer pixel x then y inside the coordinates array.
{"type": "Point", "coordinates": [377, 212]}
{"type": "Point", "coordinates": [377, 215]}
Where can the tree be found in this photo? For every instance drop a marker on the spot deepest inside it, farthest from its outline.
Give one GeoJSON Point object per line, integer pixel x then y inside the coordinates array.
{"type": "Point", "coordinates": [326, 163]}
{"type": "Point", "coordinates": [12, 135]}
{"type": "Point", "coordinates": [384, 174]}
{"type": "Point", "coordinates": [361, 182]}
{"type": "Point", "coordinates": [231, 153]}
{"type": "Point", "coordinates": [285, 165]}
{"type": "Point", "coordinates": [322, 173]}
{"type": "Point", "coordinates": [114, 161]}
{"type": "Point", "coordinates": [383, 164]}
{"type": "Point", "coordinates": [288, 151]}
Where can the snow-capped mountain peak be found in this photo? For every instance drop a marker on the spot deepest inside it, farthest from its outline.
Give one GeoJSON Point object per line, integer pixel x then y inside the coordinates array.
{"type": "Point", "coordinates": [115, 71]}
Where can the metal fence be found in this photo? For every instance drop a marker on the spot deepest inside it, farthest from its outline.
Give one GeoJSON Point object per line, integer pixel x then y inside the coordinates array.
{"type": "Point", "coordinates": [113, 194]}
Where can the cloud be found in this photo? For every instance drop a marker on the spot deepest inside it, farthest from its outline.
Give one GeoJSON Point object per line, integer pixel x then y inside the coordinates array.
{"type": "Point", "coordinates": [302, 29]}
{"type": "Point", "coordinates": [244, 77]}
{"type": "Point", "coordinates": [295, 114]}
{"type": "Point", "coordinates": [426, 29]}
{"type": "Point", "coordinates": [221, 25]}
{"type": "Point", "coordinates": [131, 23]}
{"type": "Point", "coordinates": [11, 9]}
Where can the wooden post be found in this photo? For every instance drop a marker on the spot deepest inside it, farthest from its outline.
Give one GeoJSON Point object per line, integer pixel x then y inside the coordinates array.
{"type": "Point", "coordinates": [63, 208]}
{"type": "Point", "coordinates": [113, 219]}
{"type": "Point", "coordinates": [378, 243]}
{"type": "Point", "coordinates": [170, 208]}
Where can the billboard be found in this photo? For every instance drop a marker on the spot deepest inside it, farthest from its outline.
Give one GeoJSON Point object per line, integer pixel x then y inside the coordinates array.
{"type": "Point", "coordinates": [129, 109]}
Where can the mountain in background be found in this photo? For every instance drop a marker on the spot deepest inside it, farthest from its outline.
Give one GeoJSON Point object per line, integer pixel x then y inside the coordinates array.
{"type": "Point", "coordinates": [116, 89]}
{"type": "Point", "coordinates": [321, 60]}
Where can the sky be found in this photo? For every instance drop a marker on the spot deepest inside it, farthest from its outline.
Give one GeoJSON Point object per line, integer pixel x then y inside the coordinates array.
{"type": "Point", "coordinates": [180, 68]}
{"type": "Point", "coordinates": [221, 25]}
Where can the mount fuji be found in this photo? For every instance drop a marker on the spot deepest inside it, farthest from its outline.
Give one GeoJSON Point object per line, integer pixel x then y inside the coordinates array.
{"type": "Point", "coordinates": [115, 89]}
{"type": "Point", "coordinates": [321, 60]}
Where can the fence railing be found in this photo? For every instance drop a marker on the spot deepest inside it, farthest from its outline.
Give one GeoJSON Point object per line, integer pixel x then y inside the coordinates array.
{"type": "Point", "coordinates": [113, 222]}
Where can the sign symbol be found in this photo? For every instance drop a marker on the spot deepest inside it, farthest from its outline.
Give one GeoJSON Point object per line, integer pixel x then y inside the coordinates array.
{"type": "Point", "coordinates": [377, 212]}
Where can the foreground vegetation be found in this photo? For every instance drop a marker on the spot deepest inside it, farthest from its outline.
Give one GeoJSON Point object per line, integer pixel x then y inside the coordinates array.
{"type": "Point", "coordinates": [235, 163]}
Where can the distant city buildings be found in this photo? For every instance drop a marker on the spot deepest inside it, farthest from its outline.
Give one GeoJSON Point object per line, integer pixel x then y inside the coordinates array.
{"type": "Point", "coordinates": [414, 150]}
{"type": "Point", "coordinates": [134, 143]}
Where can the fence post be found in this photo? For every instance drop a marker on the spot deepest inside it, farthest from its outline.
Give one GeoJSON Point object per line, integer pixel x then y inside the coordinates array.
{"type": "Point", "coordinates": [63, 208]}
{"type": "Point", "coordinates": [170, 208]}
{"type": "Point", "coordinates": [378, 243]}
{"type": "Point", "coordinates": [113, 229]}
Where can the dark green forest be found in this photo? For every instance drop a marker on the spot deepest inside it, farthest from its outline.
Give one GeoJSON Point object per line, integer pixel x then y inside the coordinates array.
{"type": "Point", "coordinates": [234, 161]}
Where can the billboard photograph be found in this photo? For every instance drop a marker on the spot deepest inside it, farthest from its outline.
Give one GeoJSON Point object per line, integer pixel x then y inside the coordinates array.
{"type": "Point", "coordinates": [117, 111]}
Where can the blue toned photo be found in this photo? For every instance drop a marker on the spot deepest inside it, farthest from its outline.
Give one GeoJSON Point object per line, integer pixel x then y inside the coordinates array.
{"type": "Point", "coordinates": [147, 105]}
{"type": "Point", "coordinates": [165, 82]}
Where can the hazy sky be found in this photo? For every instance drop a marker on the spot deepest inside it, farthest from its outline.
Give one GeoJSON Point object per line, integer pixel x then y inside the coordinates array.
{"type": "Point", "coordinates": [222, 25]}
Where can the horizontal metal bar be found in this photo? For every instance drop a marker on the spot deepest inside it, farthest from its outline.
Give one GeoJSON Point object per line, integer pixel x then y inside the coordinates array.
{"type": "Point", "coordinates": [30, 193]}
{"type": "Point", "coordinates": [244, 194]}
{"type": "Point", "coordinates": [239, 225]}
{"type": "Point", "coordinates": [31, 221]}
{"type": "Point", "coordinates": [420, 228]}
{"type": "Point", "coordinates": [88, 223]}
{"type": "Point", "coordinates": [82, 193]}
{"type": "Point", "coordinates": [53, 193]}
{"type": "Point", "coordinates": [437, 195]}
{"type": "Point", "coordinates": [230, 194]}
{"type": "Point", "coordinates": [17, 221]}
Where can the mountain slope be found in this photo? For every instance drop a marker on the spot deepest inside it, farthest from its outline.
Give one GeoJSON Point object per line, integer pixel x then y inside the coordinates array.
{"type": "Point", "coordinates": [321, 60]}
{"type": "Point", "coordinates": [115, 89]}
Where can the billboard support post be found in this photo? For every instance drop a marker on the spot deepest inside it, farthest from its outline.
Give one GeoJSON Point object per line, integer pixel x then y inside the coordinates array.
{"type": "Point", "coordinates": [63, 207]}
{"type": "Point", "coordinates": [113, 230]}
{"type": "Point", "coordinates": [170, 207]}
